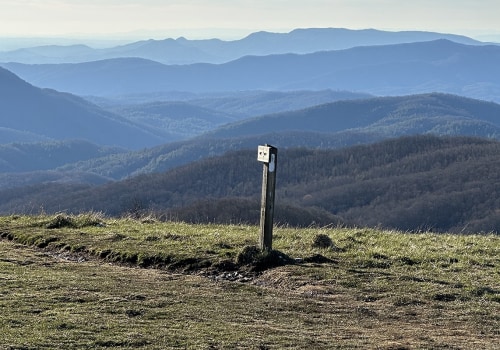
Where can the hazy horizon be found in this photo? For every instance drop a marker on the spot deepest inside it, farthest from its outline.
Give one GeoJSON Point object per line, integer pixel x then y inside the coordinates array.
{"type": "Point", "coordinates": [132, 20]}
{"type": "Point", "coordinates": [111, 40]}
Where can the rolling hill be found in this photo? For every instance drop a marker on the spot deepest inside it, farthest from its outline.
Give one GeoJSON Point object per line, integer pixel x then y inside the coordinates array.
{"type": "Point", "coordinates": [236, 104]}
{"type": "Point", "coordinates": [178, 120]}
{"type": "Point", "coordinates": [334, 125]}
{"type": "Point", "coordinates": [179, 117]}
{"type": "Point", "coordinates": [24, 157]}
{"type": "Point", "coordinates": [329, 126]}
{"type": "Point", "coordinates": [435, 66]}
{"type": "Point", "coordinates": [255, 103]}
{"type": "Point", "coordinates": [27, 111]}
{"type": "Point", "coordinates": [436, 113]}
{"type": "Point", "coordinates": [38, 115]}
{"type": "Point", "coordinates": [184, 51]}
{"type": "Point", "coordinates": [411, 183]}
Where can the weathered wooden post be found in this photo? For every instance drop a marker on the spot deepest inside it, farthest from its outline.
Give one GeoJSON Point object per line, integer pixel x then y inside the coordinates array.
{"type": "Point", "coordinates": [268, 155]}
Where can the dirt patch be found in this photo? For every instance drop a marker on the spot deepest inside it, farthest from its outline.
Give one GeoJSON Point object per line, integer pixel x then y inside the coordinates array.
{"type": "Point", "coordinates": [6, 235]}
{"type": "Point", "coordinates": [189, 265]}
{"type": "Point", "coordinates": [318, 259]}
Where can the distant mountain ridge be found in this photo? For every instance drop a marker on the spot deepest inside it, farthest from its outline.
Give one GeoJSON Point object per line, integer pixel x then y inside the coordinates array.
{"type": "Point", "coordinates": [401, 69]}
{"type": "Point", "coordinates": [184, 51]}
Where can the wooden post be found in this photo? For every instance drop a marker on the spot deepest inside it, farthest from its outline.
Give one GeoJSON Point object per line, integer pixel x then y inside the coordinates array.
{"type": "Point", "coordinates": [268, 155]}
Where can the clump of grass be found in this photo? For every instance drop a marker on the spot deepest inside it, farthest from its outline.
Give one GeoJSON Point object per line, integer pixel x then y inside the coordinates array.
{"type": "Point", "coordinates": [90, 219]}
{"type": "Point", "coordinates": [257, 260]}
{"type": "Point", "coordinates": [322, 240]}
{"type": "Point", "coordinates": [61, 221]}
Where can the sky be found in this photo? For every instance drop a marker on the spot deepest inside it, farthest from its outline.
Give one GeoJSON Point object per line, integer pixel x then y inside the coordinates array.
{"type": "Point", "coordinates": [234, 19]}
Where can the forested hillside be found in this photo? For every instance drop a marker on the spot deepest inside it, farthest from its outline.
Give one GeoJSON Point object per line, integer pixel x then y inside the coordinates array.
{"type": "Point", "coordinates": [411, 183]}
{"type": "Point", "coordinates": [433, 113]}
{"type": "Point", "coordinates": [328, 126]}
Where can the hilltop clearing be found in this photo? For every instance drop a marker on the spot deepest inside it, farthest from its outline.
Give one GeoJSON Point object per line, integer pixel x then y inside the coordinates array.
{"type": "Point", "coordinates": [67, 276]}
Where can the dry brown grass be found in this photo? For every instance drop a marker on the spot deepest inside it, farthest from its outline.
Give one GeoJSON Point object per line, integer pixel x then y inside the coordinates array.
{"type": "Point", "coordinates": [381, 290]}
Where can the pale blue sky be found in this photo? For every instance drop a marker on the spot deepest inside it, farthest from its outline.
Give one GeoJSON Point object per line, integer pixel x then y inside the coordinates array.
{"type": "Point", "coordinates": [231, 19]}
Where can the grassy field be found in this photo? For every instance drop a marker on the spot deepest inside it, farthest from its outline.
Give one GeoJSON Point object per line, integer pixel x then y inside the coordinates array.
{"type": "Point", "coordinates": [90, 282]}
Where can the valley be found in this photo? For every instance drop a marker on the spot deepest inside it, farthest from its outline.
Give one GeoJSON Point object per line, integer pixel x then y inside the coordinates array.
{"type": "Point", "coordinates": [130, 133]}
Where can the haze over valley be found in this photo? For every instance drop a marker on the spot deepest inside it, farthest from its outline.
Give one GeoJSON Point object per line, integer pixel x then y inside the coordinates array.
{"type": "Point", "coordinates": [155, 126]}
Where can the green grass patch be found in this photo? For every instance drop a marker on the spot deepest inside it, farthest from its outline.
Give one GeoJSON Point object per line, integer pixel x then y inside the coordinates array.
{"type": "Point", "coordinates": [88, 281]}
